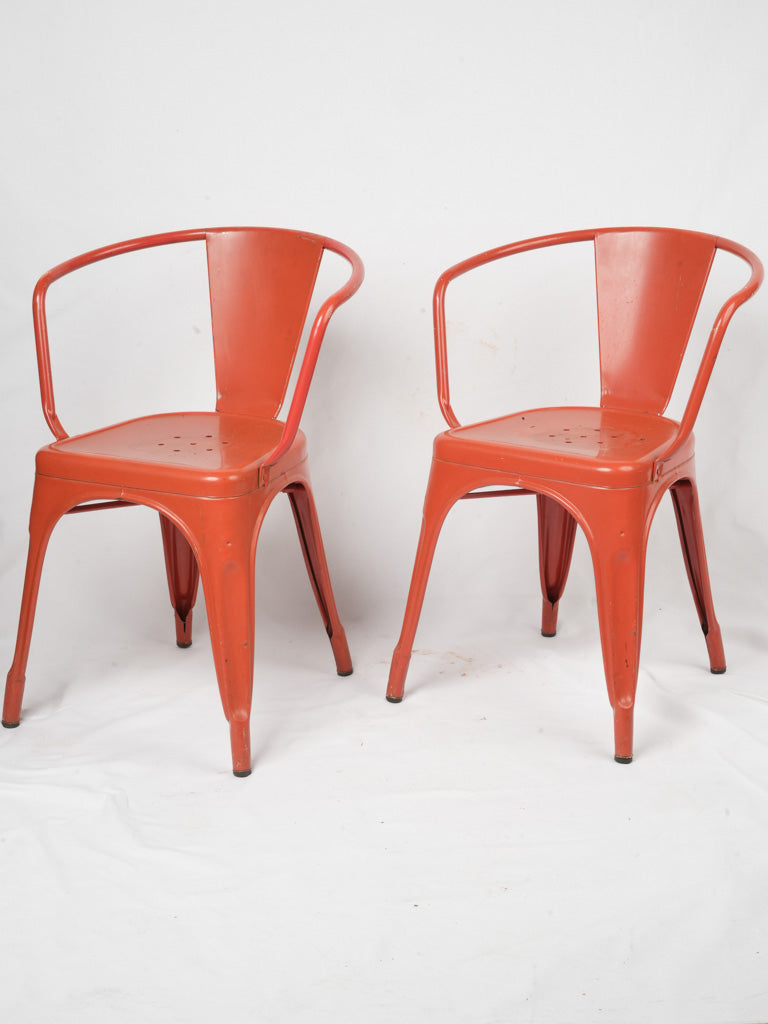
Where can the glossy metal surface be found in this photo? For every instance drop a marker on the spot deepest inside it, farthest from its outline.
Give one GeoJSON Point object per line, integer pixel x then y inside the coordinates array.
{"type": "Point", "coordinates": [604, 468]}
{"type": "Point", "coordinates": [210, 475]}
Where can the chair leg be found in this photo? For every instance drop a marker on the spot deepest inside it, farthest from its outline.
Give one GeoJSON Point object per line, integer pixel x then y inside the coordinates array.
{"type": "Point", "coordinates": [183, 577]}
{"type": "Point", "coordinates": [686, 502]}
{"type": "Point", "coordinates": [443, 491]}
{"type": "Point", "coordinates": [618, 541]}
{"type": "Point", "coordinates": [308, 527]}
{"type": "Point", "coordinates": [227, 573]}
{"type": "Point", "coordinates": [557, 531]}
{"type": "Point", "coordinates": [43, 518]}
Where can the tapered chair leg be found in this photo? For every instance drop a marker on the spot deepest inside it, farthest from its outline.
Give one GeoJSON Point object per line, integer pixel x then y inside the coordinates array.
{"type": "Point", "coordinates": [443, 490]}
{"type": "Point", "coordinates": [44, 515]}
{"type": "Point", "coordinates": [686, 502]}
{"type": "Point", "coordinates": [183, 577]}
{"type": "Point", "coordinates": [227, 573]}
{"type": "Point", "coordinates": [618, 541]}
{"type": "Point", "coordinates": [308, 527]}
{"type": "Point", "coordinates": [557, 530]}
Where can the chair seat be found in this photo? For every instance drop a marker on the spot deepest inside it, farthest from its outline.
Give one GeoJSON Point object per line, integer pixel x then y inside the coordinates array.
{"type": "Point", "coordinates": [207, 454]}
{"type": "Point", "coordinates": [612, 447]}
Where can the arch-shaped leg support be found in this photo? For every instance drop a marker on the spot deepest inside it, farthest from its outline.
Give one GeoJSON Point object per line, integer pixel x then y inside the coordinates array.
{"type": "Point", "coordinates": [208, 539]}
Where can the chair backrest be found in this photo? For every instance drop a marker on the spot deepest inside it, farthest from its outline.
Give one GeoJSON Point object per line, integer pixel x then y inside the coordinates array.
{"type": "Point", "coordinates": [649, 287]}
{"type": "Point", "coordinates": [650, 282]}
{"type": "Point", "coordinates": [261, 282]}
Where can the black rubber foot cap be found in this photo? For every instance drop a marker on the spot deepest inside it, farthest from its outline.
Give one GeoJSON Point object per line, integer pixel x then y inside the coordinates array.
{"type": "Point", "coordinates": [184, 645]}
{"type": "Point", "coordinates": [10, 725]}
{"type": "Point", "coordinates": [548, 634]}
{"type": "Point", "coordinates": [394, 700]}
{"type": "Point", "coordinates": [623, 760]}
{"type": "Point", "coordinates": [718, 671]}
{"type": "Point", "coordinates": [242, 775]}
{"type": "Point", "coordinates": [347, 673]}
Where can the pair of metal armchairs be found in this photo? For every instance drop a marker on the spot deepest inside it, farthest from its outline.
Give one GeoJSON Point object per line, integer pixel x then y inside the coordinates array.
{"type": "Point", "coordinates": [212, 475]}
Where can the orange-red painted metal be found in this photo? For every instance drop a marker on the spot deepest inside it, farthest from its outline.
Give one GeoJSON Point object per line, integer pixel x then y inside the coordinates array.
{"type": "Point", "coordinates": [210, 475]}
{"type": "Point", "coordinates": [183, 578]}
{"type": "Point", "coordinates": [604, 468]}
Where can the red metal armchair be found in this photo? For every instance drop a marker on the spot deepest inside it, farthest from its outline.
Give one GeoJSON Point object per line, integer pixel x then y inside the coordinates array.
{"type": "Point", "coordinates": [210, 475]}
{"type": "Point", "coordinates": [605, 468]}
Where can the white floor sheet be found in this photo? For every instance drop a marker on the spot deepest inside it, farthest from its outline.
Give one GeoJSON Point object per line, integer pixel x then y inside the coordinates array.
{"type": "Point", "coordinates": [471, 855]}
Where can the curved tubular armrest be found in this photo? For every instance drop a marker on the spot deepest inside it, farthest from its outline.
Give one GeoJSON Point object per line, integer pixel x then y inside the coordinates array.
{"type": "Point", "coordinates": [38, 307]}
{"type": "Point", "coordinates": [314, 342]}
{"type": "Point", "coordinates": [197, 235]}
{"type": "Point", "coordinates": [713, 347]}
{"type": "Point", "coordinates": [438, 305]}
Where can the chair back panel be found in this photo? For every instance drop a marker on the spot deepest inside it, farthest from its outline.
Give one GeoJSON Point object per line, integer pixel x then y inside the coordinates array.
{"type": "Point", "coordinates": [261, 283]}
{"type": "Point", "coordinates": [649, 286]}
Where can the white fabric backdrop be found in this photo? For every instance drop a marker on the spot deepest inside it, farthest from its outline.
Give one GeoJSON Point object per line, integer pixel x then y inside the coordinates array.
{"type": "Point", "coordinates": [473, 855]}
